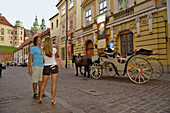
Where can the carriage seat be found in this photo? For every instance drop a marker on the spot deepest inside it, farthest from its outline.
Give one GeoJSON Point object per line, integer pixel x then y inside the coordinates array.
{"type": "Point", "coordinates": [121, 59]}
{"type": "Point", "coordinates": [141, 52]}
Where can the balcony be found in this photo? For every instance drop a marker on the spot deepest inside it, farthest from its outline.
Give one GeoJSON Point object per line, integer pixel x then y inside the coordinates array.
{"type": "Point", "coordinates": [124, 13]}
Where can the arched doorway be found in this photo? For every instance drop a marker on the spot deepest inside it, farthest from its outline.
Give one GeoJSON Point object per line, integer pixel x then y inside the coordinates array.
{"type": "Point", "coordinates": [89, 48]}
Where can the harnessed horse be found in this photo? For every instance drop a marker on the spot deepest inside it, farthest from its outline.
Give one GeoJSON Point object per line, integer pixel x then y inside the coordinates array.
{"type": "Point", "coordinates": [81, 61]}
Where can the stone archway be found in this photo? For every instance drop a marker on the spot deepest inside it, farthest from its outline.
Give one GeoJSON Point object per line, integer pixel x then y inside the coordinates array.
{"type": "Point", "coordinates": [89, 48]}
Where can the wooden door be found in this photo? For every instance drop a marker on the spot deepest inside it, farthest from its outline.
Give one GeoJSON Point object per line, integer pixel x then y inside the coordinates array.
{"type": "Point", "coordinates": [89, 49]}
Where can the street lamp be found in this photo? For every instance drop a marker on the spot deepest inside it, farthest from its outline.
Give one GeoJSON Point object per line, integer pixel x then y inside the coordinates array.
{"type": "Point", "coordinates": [66, 31]}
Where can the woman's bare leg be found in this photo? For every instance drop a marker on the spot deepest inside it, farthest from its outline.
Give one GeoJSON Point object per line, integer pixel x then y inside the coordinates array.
{"type": "Point", "coordinates": [53, 86]}
{"type": "Point", "coordinates": [45, 79]}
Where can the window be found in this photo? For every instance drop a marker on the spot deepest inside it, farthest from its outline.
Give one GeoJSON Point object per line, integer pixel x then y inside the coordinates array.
{"type": "Point", "coordinates": [63, 54]}
{"type": "Point", "coordinates": [88, 17]}
{"type": "Point", "coordinates": [103, 7]}
{"type": "Point", "coordinates": [123, 4]}
{"type": "Point", "coordinates": [21, 37]}
{"type": "Point", "coordinates": [15, 37]}
{"type": "Point", "coordinates": [21, 32]}
{"type": "Point", "coordinates": [52, 25]}
{"type": "Point", "coordinates": [63, 10]}
{"type": "Point", "coordinates": [8, 31]}
{"type": "Point", "coordinates": [70, 4]}
{"type": "Point", "coordinates": [2, 32]}
{"type": "Point", "coordinates": [9, 37]}
{"type": "Point", "coordinates": [2, 38]}
{"type": "Point", "coordinates": [15, 32]}
{"type": "Point", "coordinates": [12, 32]}
{"type": "Point", "coordinates": [15, 43]}
{"type": "Point", "coordinates": [126, 43]}
{"type": "Point", "coordinates": [71, 24]}
{"type": "Point", "coordinates": [57, 23]}
{"type": "Point", "coordinates": [10, 41]}
{"type": "Point", "coordinates": [63, 29]}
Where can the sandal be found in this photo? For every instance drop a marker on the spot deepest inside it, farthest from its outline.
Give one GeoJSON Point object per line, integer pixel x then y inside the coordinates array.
{"type": "Point", "coordinates": [35, 96]}
{"type": "Point", "coordinates": [39, 101]}
{"type": "Point", "coordinates": [44, 95]}
{"type": "Point", "coordinates": [53, 103]}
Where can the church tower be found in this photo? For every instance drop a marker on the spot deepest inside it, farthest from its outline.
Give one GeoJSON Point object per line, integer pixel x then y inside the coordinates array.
{"type": "Point", "coordinates": [35, 29]}
{"type": "Point", "coordinates": [43, 26]}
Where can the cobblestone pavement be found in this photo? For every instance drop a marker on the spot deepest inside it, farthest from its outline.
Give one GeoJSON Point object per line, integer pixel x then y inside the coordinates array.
{"type": "Point", "coordinates": [113, 94]}
{"type": "Point", "coordinates": [16, 94]}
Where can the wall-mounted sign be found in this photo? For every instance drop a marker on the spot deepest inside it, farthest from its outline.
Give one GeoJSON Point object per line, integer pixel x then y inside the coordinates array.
{"type": "Point", "coordinates": [101, 31]}
{"type": "Point", "coordinates": [111, 45]}
{"type": "Point", "coordinates": [101, 18]}
{"type": "Point", "coordinates": [69, 49]}
{"type": "Point", "coordinates": [69, 32]}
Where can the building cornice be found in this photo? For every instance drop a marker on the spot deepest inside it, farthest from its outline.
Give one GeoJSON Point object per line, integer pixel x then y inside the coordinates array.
{"type": "Point", "coordinates": [120, 21]}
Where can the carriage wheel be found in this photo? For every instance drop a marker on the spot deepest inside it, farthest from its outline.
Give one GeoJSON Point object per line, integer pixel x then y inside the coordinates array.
{"type": "Point", "coordinates": [96, 71]}
{"type": "Point", "coordinates": [139, 70]}
{"type": "Point", "coordinates": [157, 67]}
{"type": "Point", "coordinates": [109, 69]}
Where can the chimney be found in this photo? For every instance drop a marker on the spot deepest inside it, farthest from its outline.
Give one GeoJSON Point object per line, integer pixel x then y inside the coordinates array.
{"type": "Point", "coordinates": [0, 14]}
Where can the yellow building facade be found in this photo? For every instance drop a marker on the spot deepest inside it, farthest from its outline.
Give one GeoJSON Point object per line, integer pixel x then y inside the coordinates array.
{"type": "Point", "coordinates": [129, 25]}
{"type": "Point", "coordinates": [55, 29]}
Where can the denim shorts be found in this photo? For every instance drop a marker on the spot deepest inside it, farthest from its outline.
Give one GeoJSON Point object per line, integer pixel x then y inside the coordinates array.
{"type": "Point", "coordinates": [51, 69]}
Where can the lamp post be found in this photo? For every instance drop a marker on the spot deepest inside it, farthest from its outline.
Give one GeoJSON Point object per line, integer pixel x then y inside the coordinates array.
{"type": "Point", "coordinates": [0, 55]}
{"type": "Point", "coordinates": [66, 31]}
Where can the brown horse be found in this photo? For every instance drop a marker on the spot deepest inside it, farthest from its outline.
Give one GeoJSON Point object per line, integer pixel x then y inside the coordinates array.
{"type": "Point", "coordinates": [81, 61]}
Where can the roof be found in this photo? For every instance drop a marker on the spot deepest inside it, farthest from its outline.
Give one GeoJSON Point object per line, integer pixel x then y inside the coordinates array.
{"type": "Point", "coordinates": [28, 33]}
{"type": "Point", "coordinates": [25, 43]}
{"type": "Point", "coordinates": [3, 20]}
{"type": "Point", "coordinates": [53, 16]}
{"type": "Point", "coordinates": [58, 3]}
{"type": "Point", "coordinates": [18, 23]}
{"type": "Point", "coordinates": [31, 39]}
{"type": "Point", "coordinates": [45, 32]}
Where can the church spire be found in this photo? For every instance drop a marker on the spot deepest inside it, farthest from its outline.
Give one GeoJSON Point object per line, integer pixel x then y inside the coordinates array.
{"type": "Point", "coordinates": [43, 26]}
{"type": "Point", "coordinates": [35, 24]}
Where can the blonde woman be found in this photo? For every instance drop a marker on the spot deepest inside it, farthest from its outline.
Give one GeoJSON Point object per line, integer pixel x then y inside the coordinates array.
{"type": "Point", "coordinates": [50, 68]}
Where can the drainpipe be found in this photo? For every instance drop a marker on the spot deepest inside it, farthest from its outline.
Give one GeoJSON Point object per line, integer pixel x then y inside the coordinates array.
{"type": "Point", "coordinates": [168, 48]}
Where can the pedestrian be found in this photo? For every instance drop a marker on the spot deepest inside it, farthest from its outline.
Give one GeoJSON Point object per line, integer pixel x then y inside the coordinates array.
{"type": "Point", "coordinates": [7, 64]}
{"type": "Point", "coordinates": [0, 70]}
{"type": "Point", "coordinates": [35, 57]}
{"type": "Point", "coordinates": [50, 68]}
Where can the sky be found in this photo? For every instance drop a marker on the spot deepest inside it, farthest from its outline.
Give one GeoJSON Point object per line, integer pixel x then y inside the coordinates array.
{"type": "Point", "coordinates": [26, 10]}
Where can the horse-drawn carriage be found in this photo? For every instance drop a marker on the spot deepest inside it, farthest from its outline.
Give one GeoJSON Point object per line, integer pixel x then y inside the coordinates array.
{"type": "Point", "coordinates": [139, 66]}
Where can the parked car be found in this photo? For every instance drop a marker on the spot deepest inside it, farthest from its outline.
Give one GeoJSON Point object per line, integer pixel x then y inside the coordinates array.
{"type": "Point", "coordinates": [11, 64]}
{"type": "Point", "coordinates": [3, 65]}
{"type": "Point", "coordinates": [24, 65]}
{"type": "Point", "coordinates": [19, 64]}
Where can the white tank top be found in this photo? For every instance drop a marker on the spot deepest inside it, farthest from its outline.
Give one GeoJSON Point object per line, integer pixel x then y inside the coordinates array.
{"type": "Point", "coordinates": [50, 60]}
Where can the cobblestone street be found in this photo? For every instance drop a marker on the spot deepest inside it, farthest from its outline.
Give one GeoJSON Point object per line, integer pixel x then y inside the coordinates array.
{"type": "Point", "coordinates": [79, 94]}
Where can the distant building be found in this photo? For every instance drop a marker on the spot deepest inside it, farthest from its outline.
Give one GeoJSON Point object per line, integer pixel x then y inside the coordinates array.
{"type": "Point", "coordinates": [54, 31]}
{"type": "Point", "coordinates": [11, 35]}
{"type": "Point", "coordinates": [7, 56]}
{"type": "Point", "coordinates": [43, 26]}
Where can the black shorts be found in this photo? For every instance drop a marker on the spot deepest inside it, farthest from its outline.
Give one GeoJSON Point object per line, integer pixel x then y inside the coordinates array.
{"type": "Point", "coordinates": [50, 70]}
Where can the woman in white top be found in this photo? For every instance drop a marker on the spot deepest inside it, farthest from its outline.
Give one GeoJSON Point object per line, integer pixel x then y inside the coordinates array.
{"type": "Point", "coordinates": [50, 68]}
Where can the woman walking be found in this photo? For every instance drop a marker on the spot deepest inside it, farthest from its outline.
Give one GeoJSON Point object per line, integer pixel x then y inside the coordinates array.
{"type": "Point", "coordinates": [50, 68]}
